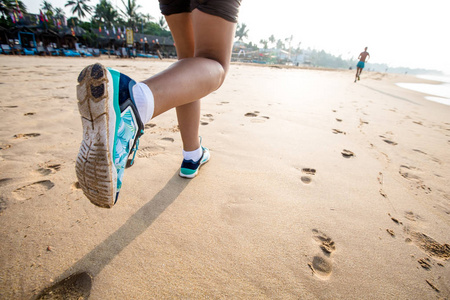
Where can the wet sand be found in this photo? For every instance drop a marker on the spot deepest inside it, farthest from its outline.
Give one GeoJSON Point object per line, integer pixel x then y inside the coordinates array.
{"type": "Point", "coordinates": [317, 188]}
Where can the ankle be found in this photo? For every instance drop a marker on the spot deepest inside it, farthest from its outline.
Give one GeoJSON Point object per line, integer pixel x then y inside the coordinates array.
{"type": "Point", "coordinates": [194, 155]}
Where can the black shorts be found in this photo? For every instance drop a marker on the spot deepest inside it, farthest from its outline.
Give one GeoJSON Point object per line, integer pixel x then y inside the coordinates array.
{"type": "Point", "coordinates": [226, 9]}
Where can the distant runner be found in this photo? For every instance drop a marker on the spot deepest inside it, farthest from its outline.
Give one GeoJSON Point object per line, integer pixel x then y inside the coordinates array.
{"type": "Point", "coordinates": [362, 60]}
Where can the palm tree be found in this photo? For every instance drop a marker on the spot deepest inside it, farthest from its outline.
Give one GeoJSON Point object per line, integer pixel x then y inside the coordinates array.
{"type": "Point", "coordinates": [264, 43]}
{"type": "Point", "coordinates": [79, 7]}
{"type": "Point", "coordinates": [162, 23]}
{"type": "Point", "coordinates": [105, 12]}
{"type": "Point", "coordinates": [7, 6]}
{"type": "Point", "coordinates": [47, 8]}
{"type": "Point", "coordinates": [298, 48]}
{"type": "Point", "coordinates": [272, 39]}
{"type": "Point", "coordinates": [241, 31]}
{"type": "Point", "coordinates": [280, 44]}
{"type": "Point", "coordinates": [146, 18]}
{"type": "Point", "coordinates": [130, 11]}
{"type": "Point", "coordinates": [59, 12]}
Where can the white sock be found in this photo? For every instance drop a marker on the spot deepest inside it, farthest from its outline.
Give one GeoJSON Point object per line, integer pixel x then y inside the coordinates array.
{"type": "Point", "coordinates": [193, 155]}
{"type": "Point", "coordinates": [145, 103]}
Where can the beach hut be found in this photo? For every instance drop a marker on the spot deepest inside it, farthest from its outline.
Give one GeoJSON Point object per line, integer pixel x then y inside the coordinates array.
{"type": "Point", "coordinates": [69, 36]}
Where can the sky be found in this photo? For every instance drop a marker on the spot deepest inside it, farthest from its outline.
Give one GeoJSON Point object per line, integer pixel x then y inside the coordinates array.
{"type": "Point", "coordinates": [399, 33]}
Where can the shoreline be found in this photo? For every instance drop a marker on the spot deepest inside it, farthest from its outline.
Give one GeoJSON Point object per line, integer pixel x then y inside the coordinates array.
{"type": "Point", "coordinates": [317, 188]}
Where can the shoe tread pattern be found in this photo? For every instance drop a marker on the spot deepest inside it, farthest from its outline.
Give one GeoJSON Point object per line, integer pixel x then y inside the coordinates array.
{"type": "Point", "coordinates": [93, 165]}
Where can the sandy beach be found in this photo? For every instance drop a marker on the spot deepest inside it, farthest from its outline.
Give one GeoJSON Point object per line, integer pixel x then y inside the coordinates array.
{"type": "Point", "coordinates": [317, 188]}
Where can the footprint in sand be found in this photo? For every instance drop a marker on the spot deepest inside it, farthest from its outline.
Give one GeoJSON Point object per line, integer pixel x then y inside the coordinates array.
{"type": "Point", "coordinates": [77, 286]}
{"type": "Point", "coordinates": [395, 220]}
{"type": "Point", "coordinates": [425, 263]}
{"type": "Point", "coordinates": [26, 135]}
{"type": "Point", "coordinates": [412, 174]}
{"type": "Point", "coordinates": [3, 205]}
{"type": "Point", "coordinates": [3, 147]}
{"type": "Point", "coordinates": [309, 171]}
{"type": "Point", "coordinates": [4, 181]}
{"type": "Point", "coordinates": [149, 125]}
{"type": "Point", "coordinates": [429, 245]}
{"type": "Point", "coordinates": [362, 122]}
{"type": "Point", "coordinates": [222, 103]}
{"type": "Point", "coordinates": [34, 189]}
{"type": "Point", "coordinates": [150, 151]}
{"type": "Point", "coordinates": [252, 114]}
{"type": "Point", "coordinates": [380, 181]}
{"type": "Point", "coordinates": [336, 131]}
{"type": "Point", "coordinates": [29, 114]}
{"type": "Point", "coordinates": [339, 120]}
{"type": "Point", "coordinates": [347, 153]}
{"type": "Point", "coordinates": [419, 151]}
{"type": "Point", "coordinates": [321, 265]}
{"type": "Point", "coordinates": [206, 119]}
{"type": "Point", "coordinates": [424, 153]}
{"type": "Point", "coordinates": [391, 232]}
{"type": "Point", "coordinates": [48, 168]}
{"type": "Point", "coordinates": [409, 172]}
{"type": "Point", "coordinates": [255, 114]}
{"type": "Point", "coordinates": [390, 142]}
{"type": "Point", "coordinates": [412, 216]}
{"type": "Point", "coordinates": [326, 243]}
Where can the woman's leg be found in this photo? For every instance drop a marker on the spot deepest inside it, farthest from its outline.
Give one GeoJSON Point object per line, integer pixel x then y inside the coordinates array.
{"type": "Point", "coordinates": [190, 79]}
{"type": "Point", "coordinates": [204, 44]}
{"type": "Point", "coordinates": [188, 114]}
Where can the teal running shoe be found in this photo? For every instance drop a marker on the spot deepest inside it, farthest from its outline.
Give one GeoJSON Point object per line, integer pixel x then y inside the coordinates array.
{"type": "Point", "coordinates": [111, 131]}
{"type": "Point", "coordinates": [189, 168]}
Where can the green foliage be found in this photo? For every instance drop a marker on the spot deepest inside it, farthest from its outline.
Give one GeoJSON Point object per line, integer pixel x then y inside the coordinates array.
{"type": "Point", "coordinates": [90, 38]}
{"type": "Point", "coordinates": [5, 22]}
{"type": "Point", "coordinates": [74, 21]}
{"type": "Point", "coordinates": [85, 25]}
{"type": "Point", "coordinates": [155, 29]}
{"type": "Point", "coordinates": [252, 46]}
{"type": "Point", "coordinates": [241, 31]}
{"type": "Point", "coordinates": [264, 43]}
{"type": "Point", "coordinates": [80, 7]}
{"type": "Point", "coordinates": [105, 13]}
{"type": "Point", "coordinates": [162, 23]}
{"type": "Point", "coordinates": [7, 6]}
{"type": "Point", "coordinates": [272, 39]}
{"type": "Point", "coordinates": [47, 8]}
{"type": "Point", "coordinates": [59, 12]}
{"type": "Point", "coordinates": [280, 44]}
{"type": "Point", "coordinates": [130, 12]}
{"type": "Point", "coordinates": [326, 60]}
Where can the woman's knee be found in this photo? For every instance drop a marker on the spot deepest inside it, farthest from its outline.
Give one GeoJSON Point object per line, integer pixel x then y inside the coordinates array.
{"type": "Point", "coordinates": [218, 69]}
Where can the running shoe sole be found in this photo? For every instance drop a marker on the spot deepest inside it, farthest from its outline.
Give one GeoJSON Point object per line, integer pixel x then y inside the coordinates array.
{"type": "Point", "coordinates": [95, 168]}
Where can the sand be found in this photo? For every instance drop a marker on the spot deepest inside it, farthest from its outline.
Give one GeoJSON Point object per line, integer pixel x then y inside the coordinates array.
{"type": "Point", "coordinates": [317, 188]}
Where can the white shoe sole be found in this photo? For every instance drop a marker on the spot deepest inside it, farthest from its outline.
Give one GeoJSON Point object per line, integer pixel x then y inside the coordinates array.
{"type": "Point", "coordinates": [95, 168]}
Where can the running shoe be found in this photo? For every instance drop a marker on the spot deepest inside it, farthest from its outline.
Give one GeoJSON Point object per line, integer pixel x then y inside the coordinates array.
{"type": "Point", "coordinates": [189, 168]}
{"type": "Point", "coordinates": [111, 131]}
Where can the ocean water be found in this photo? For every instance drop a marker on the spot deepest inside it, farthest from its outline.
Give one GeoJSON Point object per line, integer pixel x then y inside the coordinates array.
{"type": "Point", "coordinates": [440, 92]}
